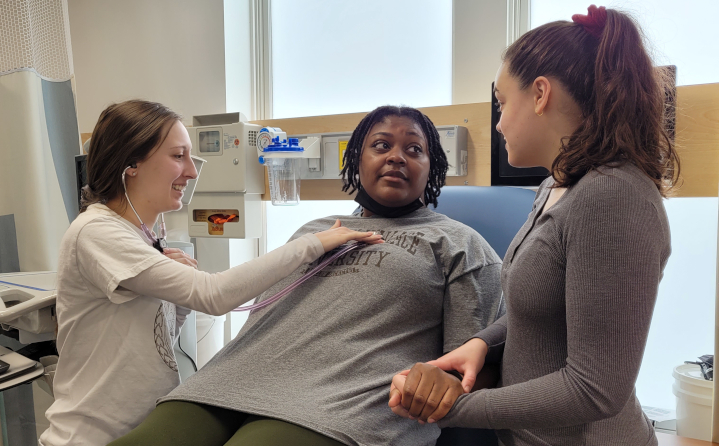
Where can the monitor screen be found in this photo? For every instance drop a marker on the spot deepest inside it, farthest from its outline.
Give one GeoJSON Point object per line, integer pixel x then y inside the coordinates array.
{"type": "Point", "coordinates": [209, 141]}
{"type": "Point", "coordinates": [503, 174]}
{"type": "Point", "coordinates": [80, 174]}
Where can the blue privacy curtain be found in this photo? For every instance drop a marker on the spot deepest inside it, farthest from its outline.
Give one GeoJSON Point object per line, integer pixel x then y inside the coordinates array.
{"type": "Point", "coordinates": [39, 135]}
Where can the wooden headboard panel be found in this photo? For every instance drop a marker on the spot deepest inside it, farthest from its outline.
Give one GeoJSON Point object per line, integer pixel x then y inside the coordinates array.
{"type": "Point", "coordinates": [696, 138]}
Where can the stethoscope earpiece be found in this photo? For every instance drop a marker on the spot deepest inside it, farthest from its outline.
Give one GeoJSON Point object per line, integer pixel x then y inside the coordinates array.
{"type": "Point", "coordinates": [159, 243]}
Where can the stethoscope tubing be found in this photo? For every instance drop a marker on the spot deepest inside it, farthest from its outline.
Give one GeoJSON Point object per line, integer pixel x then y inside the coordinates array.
{"type": "Point", "coordinates": [282, 293]}
{"type": "Point", "coordinates": [159, 243]}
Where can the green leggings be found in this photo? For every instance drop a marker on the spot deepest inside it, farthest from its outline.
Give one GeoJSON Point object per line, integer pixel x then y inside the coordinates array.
{"type": "Point", "coordinates": [180, 423]}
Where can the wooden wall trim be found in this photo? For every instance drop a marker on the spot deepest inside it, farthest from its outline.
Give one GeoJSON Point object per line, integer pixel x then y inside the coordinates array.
{"type": "Point", "coordinates": [696, 138]}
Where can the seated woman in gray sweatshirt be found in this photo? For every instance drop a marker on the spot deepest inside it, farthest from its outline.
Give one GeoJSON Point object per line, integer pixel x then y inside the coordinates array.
{"type": "Point", "coordinates": [314, 367]}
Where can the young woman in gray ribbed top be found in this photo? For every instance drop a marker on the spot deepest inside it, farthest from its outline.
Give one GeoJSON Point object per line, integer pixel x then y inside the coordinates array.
{"type": "Point", "coordinates": [582, 99]}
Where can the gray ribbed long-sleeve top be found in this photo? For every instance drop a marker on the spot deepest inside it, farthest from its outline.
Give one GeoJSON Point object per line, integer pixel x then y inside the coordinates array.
{"type": "Point", "coordinates": [580, 282]}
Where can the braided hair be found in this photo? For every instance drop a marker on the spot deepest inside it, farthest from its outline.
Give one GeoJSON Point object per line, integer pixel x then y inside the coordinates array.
{"type": "Point", "coordinates": [438, 161]}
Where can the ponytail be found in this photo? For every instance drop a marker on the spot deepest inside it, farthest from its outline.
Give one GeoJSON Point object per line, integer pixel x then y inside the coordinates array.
{"type": "Point", "coordinates": [602, 62]}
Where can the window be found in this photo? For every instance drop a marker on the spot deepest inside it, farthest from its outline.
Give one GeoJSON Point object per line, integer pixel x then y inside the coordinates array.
{"type": "Point", "coordinates": [683, 323]}
{"type": "Point", "coordinates": [331, 57]}
{"type": "Point", "coordinates": [284, 221]}
{"type": "Point", "coordinates": [683, 36]}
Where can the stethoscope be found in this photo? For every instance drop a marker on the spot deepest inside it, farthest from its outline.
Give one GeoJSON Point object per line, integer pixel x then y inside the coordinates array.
{"type": "Point", "coordinates": [159, 243]}
{"type": "Point", "coordinates": [344, 249]}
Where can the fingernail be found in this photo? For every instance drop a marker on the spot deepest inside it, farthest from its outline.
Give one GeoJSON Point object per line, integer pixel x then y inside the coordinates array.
{"type": "Point", "coordinates": [430, 420]}
{"type": "Point", "coordinates": [421, 422]}
{"type": "Point", "coordinates": [412, 417]}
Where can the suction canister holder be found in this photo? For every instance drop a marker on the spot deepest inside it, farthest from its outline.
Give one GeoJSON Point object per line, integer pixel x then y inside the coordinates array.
{"type": "Point", "coordinates": [283, 157]}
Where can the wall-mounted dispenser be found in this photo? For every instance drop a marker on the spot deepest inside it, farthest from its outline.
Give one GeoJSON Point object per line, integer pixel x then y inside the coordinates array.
{"type": "Point", "coordinates": [283, 157]}
{"type": "Point", "coordinates": [226, 202]}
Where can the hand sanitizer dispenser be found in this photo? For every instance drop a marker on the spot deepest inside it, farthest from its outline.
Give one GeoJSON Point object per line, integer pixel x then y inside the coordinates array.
{"type": "Point", "coordinates": [226, 202]}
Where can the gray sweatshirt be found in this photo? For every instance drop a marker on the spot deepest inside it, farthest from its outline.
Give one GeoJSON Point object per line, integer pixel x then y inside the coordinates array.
{"type": "Point", "coordinates": [323, 357]}
{"type": "Point", "coordinates": [580, 282]}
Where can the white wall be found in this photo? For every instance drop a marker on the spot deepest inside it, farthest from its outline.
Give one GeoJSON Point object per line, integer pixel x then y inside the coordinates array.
{"type": "Point", "coordinates": [479, 36]}
{"type": "Point", "coordinates": [169, 51]}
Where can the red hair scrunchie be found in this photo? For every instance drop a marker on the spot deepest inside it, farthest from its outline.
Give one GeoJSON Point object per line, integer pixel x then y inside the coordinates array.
{"type": "Point", "coordinates": [594, 22]}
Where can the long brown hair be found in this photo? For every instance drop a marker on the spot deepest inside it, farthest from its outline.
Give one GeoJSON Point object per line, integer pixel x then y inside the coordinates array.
{"type": "Point", "coordinates": [124, 134]}
{"type": "Point", "coordinates": [609, 74]}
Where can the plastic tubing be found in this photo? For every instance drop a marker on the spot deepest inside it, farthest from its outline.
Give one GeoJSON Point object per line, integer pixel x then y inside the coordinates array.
{"type": "Point", "coordinates": [282, 293]}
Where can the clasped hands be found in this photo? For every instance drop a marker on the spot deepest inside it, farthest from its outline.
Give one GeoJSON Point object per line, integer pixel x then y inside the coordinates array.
{"type": "Point", "coordinates": [426, 392]}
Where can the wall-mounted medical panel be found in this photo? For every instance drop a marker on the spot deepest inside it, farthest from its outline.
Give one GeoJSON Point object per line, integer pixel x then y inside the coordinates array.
{"type": "Point", "coordinates": [329, 165]}
{"type": "Point", "coordinates": [226, 202]}
{"type": "Point", "coordinates": [225, 215]}
{"type": "Point", "coordinates": [453, 139]}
